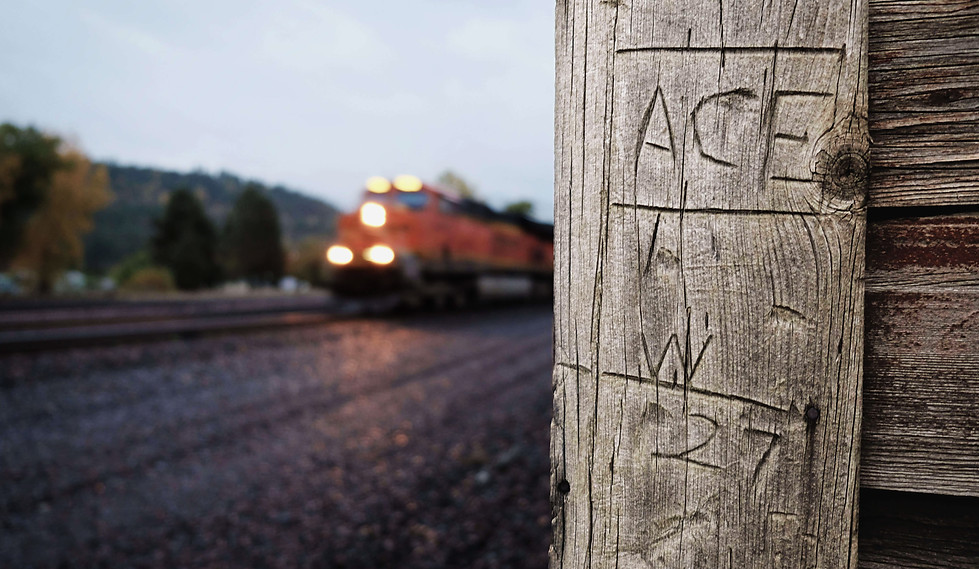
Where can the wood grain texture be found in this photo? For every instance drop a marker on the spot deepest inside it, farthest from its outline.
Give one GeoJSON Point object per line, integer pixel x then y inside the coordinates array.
{"type": "Point", "coordinates": [924, 102]}
{"type": "Point", "coordinates": [918, 531]}
{"type": "Point", "coordinates": [921, 387]}
{"type": "Point", "coordinates": [710, 182]}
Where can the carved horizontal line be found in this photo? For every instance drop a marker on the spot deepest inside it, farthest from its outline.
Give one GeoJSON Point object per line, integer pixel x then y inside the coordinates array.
{"type": "Point", "coordinates": [692, 389]}
{"type": "Point", "coordinates": [691, 461]}
{"type": "Point", "coordinates": [574, 367]}
{"type": "Point", "coordinates": [796, 93]}
{"type": "Point", "coordinates": [717, 211]}
{"type": "Point", "coordinates": [791, 179]}
{"type": "Point", "coordinates": [792, 137]}
{"type": "Point", "coordinates": [735, 49]}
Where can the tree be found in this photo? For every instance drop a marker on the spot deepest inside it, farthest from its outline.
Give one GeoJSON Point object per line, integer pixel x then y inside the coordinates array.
{"type": "Point", "coordinates": [53, 234]}
{"type": "Point", "coordinates": [252, 238]}
{"type": "Point", "coordinates": [28, 161]}
{"type": "Point", "coordinates": [522, 207]}
{"type": "Point", "coordinates": [453, 181]}
{"type": "Point", "coordinates": [125, 269]}
{"type": "Point", "coordinates": [306, 260]}
{"type": "Point", "coordinates": [186, 242]}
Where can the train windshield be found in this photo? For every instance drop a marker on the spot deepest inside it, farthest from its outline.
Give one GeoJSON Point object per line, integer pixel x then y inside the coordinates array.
{"type": "Point", "coordinates": [414, 200]}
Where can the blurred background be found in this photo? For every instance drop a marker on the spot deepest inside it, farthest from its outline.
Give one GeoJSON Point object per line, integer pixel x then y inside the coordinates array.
{"type": "Point", "coordinates": [182, 382]}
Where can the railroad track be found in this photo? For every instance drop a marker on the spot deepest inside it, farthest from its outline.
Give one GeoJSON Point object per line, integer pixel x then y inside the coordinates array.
{"type": "Point", "coordinates": [36, 327]}
{"type": "Point", "coordinates": [57, 326]}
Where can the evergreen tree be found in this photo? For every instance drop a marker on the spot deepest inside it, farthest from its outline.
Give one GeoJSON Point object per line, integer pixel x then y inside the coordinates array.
{"type": "Point", "coordinates": [186, 242]}
{"type": "Point", "coordinates": [252, 239]}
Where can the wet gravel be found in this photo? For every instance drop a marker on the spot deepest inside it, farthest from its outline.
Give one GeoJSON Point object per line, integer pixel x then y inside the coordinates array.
{"type": "Point", "coordinates": [416, 441]}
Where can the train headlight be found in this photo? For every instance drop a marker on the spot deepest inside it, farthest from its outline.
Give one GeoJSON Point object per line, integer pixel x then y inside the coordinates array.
{"type": "Point", "coordinates": [407, 183]}
{"type": "Point", "coordinates": [379, 254]}
{"type": "Point", "coordinates": [378, 185]}
{"type": "Point", "coordinates": [373, 214]}
{"type": "Point", "coordinates": [339, 255]}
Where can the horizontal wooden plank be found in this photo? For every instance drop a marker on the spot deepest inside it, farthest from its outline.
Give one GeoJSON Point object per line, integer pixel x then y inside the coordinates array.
{"type": "Point", "coordinates": [905, 9]}
{"type": "Point", "coordinates": [943, 243]}
{"type": "Point", "coordinates": [924, 102]}
{"type": "Point", "coordinates": [921, 378]}
{"type": "Point", "coordinates": [918, 531]}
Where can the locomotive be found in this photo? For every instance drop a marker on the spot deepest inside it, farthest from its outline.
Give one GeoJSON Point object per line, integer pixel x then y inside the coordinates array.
{"type": "Point", "coordinates": [417, 243]}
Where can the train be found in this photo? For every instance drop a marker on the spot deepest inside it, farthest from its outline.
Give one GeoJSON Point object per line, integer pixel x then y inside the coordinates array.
{"type": "Point", "coordinates": [415, 243]}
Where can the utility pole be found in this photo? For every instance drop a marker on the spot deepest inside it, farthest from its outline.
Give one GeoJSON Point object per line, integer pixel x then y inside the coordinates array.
{"type": "Point", "coordinates": [710, 189]}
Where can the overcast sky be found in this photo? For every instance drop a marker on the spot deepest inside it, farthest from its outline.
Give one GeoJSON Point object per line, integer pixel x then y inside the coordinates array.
{"type": "Point", "coordinates": [316, 95]}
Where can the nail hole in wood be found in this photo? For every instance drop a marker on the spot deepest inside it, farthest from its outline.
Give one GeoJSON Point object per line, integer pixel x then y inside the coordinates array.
{"type": "Point", "coordinates": [812, 413]}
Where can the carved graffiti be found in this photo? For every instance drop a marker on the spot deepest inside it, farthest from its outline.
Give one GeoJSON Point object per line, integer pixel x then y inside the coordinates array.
{"type": "Point", "coordinates": [738, 134]}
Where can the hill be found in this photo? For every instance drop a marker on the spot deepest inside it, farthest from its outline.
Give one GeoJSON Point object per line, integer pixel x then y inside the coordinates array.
{"type": "Point", "coordinates": [126, 225]}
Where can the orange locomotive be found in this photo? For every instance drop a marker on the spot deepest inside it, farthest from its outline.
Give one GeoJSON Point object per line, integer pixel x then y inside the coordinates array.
{"type": "Point", "coordinates": [411, 240]}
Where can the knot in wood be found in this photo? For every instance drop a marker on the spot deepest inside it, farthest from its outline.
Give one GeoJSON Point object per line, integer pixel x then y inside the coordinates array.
{"type": "Point", "coordinates": [842, 169]}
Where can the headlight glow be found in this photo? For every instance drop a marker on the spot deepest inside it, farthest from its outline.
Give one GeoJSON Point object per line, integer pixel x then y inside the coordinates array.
{"type": "Point", "coordinates": [378, 185]}
{"type": "Point", "coordinates": [339, 255]}
{"type": "Point", "coordinates": [373, 214]}
{"type": "Point", "coordinates": [407, 183]}
{"type": "Point", "coordinates": [379, 254]}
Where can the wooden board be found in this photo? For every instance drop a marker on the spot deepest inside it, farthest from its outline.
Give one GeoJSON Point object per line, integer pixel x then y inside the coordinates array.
{"type": "Point", "coordinates": [710, 179]}
{"type": "Point", "coordinates": [918, 531]}
{"type": "Point", "coordinates": [924, 102]}
{"type": "Point", "coordinates": [921, 387]}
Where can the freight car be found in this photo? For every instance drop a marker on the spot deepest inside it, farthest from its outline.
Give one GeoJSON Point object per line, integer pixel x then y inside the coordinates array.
{"type": "Point", "coordinates": [417, 243]}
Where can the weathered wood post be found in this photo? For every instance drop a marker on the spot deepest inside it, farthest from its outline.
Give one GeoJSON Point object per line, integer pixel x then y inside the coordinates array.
{"type": "Point", "coordinates": [711, 166]}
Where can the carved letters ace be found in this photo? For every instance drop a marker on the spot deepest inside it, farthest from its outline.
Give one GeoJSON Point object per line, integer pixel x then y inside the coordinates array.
{"type": "Point", "coordinates": [736, 130]}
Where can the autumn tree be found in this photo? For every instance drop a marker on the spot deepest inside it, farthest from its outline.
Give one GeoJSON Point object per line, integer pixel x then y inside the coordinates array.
{"type": "Point", "coordinates": [252, 239]}
{"type": "Point", "coordinates": [186, 242]}
{"type": "Point", "coordinates": [52, 237]}
{"type": "Point", "coordinates": [28, 161]}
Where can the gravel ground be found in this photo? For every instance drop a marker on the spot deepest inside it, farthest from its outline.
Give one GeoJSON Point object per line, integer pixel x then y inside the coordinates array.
{"type": "Point", "coordinates": [408, 442]}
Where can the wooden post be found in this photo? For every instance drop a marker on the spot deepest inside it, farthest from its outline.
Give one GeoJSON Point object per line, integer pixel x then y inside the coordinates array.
{"type": "Point", "coordinates": [711, 166]}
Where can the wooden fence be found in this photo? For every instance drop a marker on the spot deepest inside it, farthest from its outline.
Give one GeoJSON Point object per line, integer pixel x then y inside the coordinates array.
{"type": "Point", "coordinates": [919, 463]}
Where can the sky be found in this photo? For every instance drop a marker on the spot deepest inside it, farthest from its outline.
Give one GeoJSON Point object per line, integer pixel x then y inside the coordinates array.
{"type": "Point", "coordinates": [313, 95]}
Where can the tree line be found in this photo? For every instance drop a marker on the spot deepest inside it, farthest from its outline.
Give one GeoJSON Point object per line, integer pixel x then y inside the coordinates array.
{"type": "Point", "coordinates": [249, 247]}
{"type": "Point", "coordinates": [49, 192]}
{"type": "Point", "coordinates": [126, 225]}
